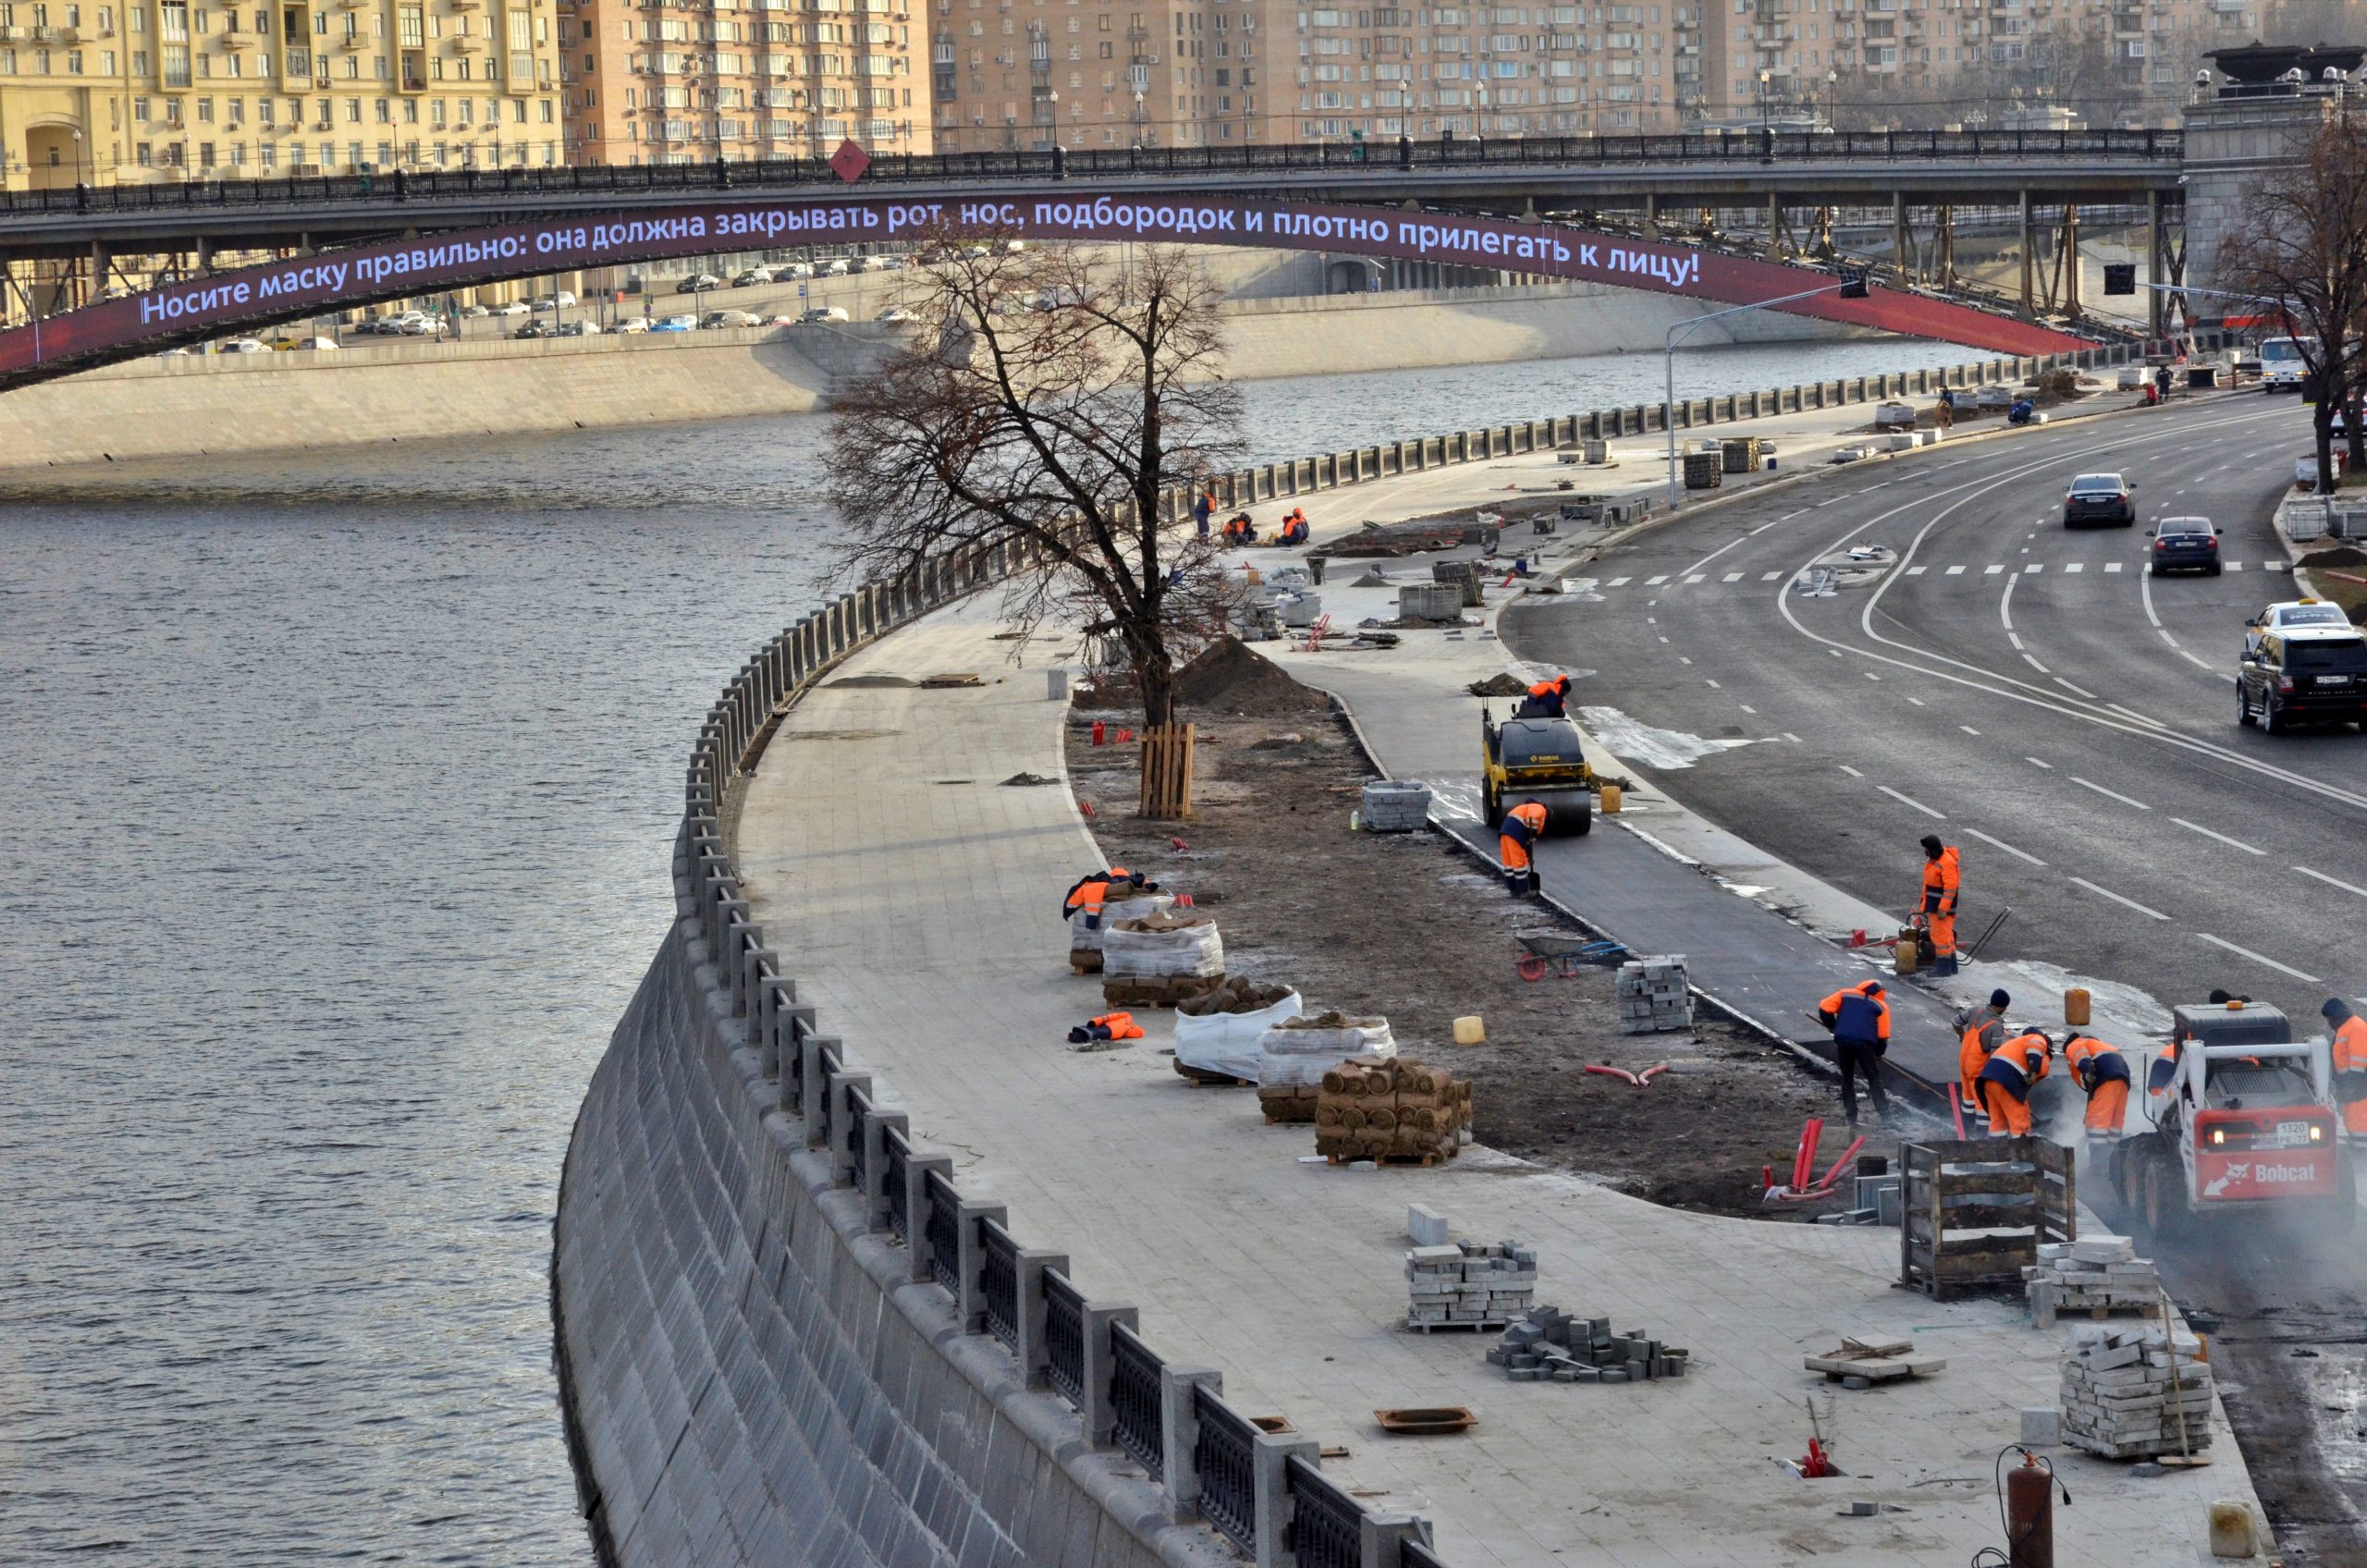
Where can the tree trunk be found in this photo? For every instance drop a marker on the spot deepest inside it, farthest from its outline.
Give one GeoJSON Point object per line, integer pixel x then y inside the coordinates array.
{"type": "Point", "coordinates": [2356, 437]}
{"type": "Point", "coordinates": [2322, 427]}
{"type": "Point", "coordinates": [1155, 675]}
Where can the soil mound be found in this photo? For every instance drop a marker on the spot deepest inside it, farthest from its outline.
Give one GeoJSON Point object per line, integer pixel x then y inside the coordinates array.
{"type": "Point", "coordinates": [1229, 678]}
{"type": "Point", "coordinates": [1497, 686]}
{"type": "Point", "coordinates": [2341, 555]}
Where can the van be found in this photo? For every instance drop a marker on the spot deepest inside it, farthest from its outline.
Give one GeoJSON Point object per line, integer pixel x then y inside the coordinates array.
{"type": "Point", "coordinates": [716, 319]}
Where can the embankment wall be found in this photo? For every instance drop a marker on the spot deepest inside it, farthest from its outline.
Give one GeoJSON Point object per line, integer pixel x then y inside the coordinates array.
{"type": "Point", "coordinates": [229, 404]}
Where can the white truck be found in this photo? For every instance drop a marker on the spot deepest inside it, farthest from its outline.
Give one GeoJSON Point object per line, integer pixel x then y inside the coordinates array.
{"type": "Point", "coordinates": [2245, 1120]}
{"type": "Point", "coordinates": [2281, 366]}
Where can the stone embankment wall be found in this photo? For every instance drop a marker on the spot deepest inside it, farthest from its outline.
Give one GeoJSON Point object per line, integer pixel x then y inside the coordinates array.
{"type": "Point", "coordinates": [223, 403]}
{"type": "Point", "coordinates": [781, 1331]}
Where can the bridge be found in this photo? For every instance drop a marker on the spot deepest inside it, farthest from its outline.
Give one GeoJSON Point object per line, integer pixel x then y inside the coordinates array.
{"type": "Point", "coordinates": [344, 242]}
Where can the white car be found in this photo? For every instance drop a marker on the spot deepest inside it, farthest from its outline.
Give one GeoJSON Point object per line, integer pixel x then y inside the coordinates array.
{"type": "Point", "coordinates": [632, 324]}
{"type": "Point", "coordinates": [887, 264]}
{"type": "Point", "coordinates": [794, 269]}
{"type": "Point", "coordinates": [558, 301]}
{"type": "Point", "coordinates": [241, 345]}
{"type": "Point", "coordinates": [513, 308]}
{"type": "Point", "coordinates": [753, 276]}
{"type": "Point", "coordinates": [895, 314]}
{"type": "Point", "coordinates": [473, 312]}
{"type": "Point", "coordinates": [836, 267]}
{"type": "Point", "coordinates": [2289, 614]}
{"type": "Point", "coordinates": [316, 343]}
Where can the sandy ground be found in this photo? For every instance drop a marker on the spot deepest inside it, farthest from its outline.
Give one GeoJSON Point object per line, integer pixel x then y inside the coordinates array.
{"type": "Point", "coordinates": [1411, 927]}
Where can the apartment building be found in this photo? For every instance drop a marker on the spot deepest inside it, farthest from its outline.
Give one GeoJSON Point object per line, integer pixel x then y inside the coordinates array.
{"type": "Point", "coordinates": [1216, 72]}
{"type": "Point", "coordinates": [668, 82]}
{"type": "Point", "coordinates": [162, 90]}
{"type": "Point", "coordinates": [1967, 61]}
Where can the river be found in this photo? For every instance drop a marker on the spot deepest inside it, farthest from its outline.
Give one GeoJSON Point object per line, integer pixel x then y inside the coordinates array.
{"type": "Point", "coordinates": [332, 839]}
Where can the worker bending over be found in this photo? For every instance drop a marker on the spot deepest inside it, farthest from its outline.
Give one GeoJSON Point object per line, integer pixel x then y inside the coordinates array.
{"type": "Point", "coordinates": [1941, 881]}
{"type": "Point", "coordinates": [1239, 529]}
{"type": "Point", "coordinates": [1547, 698]}
{"type": "Point", "coordinates": [1095, 888]}
{"type": "Point", "coordinates": [2006, 1079]}
{"type": "Point", "coordinates": [1295, 529]}
{"type": "Point", "coordinates": [1522, 827]}
{"type": "Point", "coordinates": [2103, 1073]}
{"type": "Point", "coordinates": [1860, 1018]}
{"type": "Point", "coordinates": [1980, 1031]}
{"type": "Point", "coordinates": [2350, 1063]}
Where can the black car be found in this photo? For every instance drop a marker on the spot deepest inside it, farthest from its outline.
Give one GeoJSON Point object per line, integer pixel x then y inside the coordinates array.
{"type": "Point", "coordinates": [2185, 544]}
{"type": "Point", "coordinates": [534, 329]}
{"type": "Point", "coordinates": [2099, 498]}
{"type": "Point", "coordinates": [2304, 675]}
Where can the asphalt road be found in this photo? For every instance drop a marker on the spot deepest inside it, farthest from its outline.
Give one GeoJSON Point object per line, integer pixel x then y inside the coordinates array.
{"type": "Point", "coordinates": [2031, 694]}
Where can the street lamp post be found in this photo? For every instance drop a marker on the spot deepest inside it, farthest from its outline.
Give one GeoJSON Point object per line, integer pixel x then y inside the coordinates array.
{"type": "Point", "coordinates": [1850, 287]}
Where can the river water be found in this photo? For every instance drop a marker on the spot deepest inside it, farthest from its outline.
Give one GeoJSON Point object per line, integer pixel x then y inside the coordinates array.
{"type": "Point", "coordinates": [334, 827]}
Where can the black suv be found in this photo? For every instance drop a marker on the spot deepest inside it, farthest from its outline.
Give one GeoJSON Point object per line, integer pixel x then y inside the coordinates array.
{"type": "Point", "coordinates": [2099, 498]}
{"type": "Point", "coordinates": [2302, 676]}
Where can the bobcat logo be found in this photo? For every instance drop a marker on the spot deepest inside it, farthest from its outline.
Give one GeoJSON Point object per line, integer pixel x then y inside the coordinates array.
{"type": "Point", "coordinates": [2237, 1172]}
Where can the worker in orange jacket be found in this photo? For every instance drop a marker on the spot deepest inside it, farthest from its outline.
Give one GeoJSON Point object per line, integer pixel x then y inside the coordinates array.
{"type": "Point", "coordinates": [1295, 529]}
{"type": "Point", "coordinates": [1980, 1031]}
{"type": "Point", "coordinates": [2103, 1072]}
{"type": "Point", "coordinates": [2006, 1079]}
{"type": "Point", "coordinates": [2350, 1063]}
{"type": "Point", "coordinates": [1860, 1018]}
{"type": "Point", "coordinates": [1943, 881]}
{"type": "Point", "coordinates": [1108, 1026]}
{"type": "Point", "coordinates": [1547, 698]}
{"type": "Point", "coordinates": [1523, 826]}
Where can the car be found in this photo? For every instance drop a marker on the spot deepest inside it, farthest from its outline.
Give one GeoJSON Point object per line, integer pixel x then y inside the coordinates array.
{"type": "Point", "coordinates": [417, 327]}
{"type": "Point", "coordinates": [896, 313]}
{"type": "Point", "coordinates": [858, 264]}
{"type": "Point", "coordinates": [532, 329]}
{"type": "Point", "coordinates": [2099, 498]}
{"type": "Point", "coordinates": [632, 324]}
{"type": "Point", "coordinates": [574, 329]}
{"type": "Point", "coordinates": [513, 308]}
{"type": "Point", "coordinates": [473, 312]}
{"type": "Point", "coordinates": [887, 264]}
{"type": "Point", "coordinates": [172, 353]}
{"type": "Point", "coordinates": [677, 324]}
{"type": "Point", "coordinates": [2184, 544]}
{"type": "Point", "coordinates": [821, 313]}
{"type": "Point", "coordinates": [2310, 672]}
{"type": "Point", "coordinates": [835, 267]}
{"type": "Point", "coordinates": [718, 320]}
{"type": "Point", "coordinates": [794, 269]}
{"type": "Point", "coordinates": [241, 346]}
{"type": "Point", "coordinates": [305, 344]}
{"type": "Point", "coordinates": [778, 320]}
{"type": "Point", "coordinates": [752, 276]}
{"type": "Point", "coordinates": [2289, 614]}
{"type": "Point", "coordinates": [558, 301]}
{"type": "Point", "coordinates": [698, 283]}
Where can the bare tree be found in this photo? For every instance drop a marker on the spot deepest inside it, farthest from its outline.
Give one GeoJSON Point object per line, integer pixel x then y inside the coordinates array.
{"type": "Point", "coordinates": [1057, 402]}
{"type": "Point", "coordinates": [2301, 248]}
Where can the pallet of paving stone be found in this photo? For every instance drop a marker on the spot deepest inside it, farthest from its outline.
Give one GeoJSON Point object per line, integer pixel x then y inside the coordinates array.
{"type": "Point", "coordinates": [2137, 1393]}
{"type": "Point", "coordinates": [1976, 1213]}
{"type": "Point", "coordinates": [2099, 1274]}
{"type": "Point", "coordinates": [1164, 990]}
{"type": "Point", "coordinates": [1208, 1078]}
{"type": "Point", "coordinates": [1288, 1103]}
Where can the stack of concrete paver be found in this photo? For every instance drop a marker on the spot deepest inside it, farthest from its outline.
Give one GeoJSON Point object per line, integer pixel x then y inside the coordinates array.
{"type": "Point", "coordinates": [1552, 1345]}
{"type": "Point", "coordinates": [1392, 805]}
{"type": "Point", "coordinates": [2095, 1273]}
{"type": "Point", "coordinates": [1395, 1109]}
{"type": "Point", "coordinates": [1469, 1284]}
{"type": "Point", "coordinates": [1652, 995]}
{"type": "Point", "coordinates": [2133, 1393]}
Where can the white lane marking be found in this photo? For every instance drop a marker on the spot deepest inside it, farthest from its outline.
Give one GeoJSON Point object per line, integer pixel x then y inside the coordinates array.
{"type": "Point", "coordinates": [1968, 729]}
{"type": "Point", "coordinates": [2124, 799]}
{"type": "Point", "coordinates": [1697, 577]}
{"type": "Point", "coordinates": [1619, 582]}
{"type": "Point", "coordinates": [2333, 881]}
{"type": "Point", "coordinates": [1851, 771]}
{"type": "Point", "coordinates": [1917, 571]}
{"type": "Point", "coordinates": [1681, 659]}
{"type": "Point", "coordinates": [1911, 800]}
{"type": "Point", "coordinates": [2112, 566]}
{"type": "Point", "coordinates": [2036, 666]}
{"type": "Point", "coordinates": [1828, 501]}
{"type": "Point", "coordinates": [1918, 702]}
{"type": "Point", "coordinates": [2199, 664]}
{"type": "Point", "coordinates": [1991, 571]}
{"type": "Point", "coordinates": [2033, 568]}
{"type": "Point", "coordinates": [1837, 653]}
{"type": "Point", "coordinates": [1953, 571]}
{"type": "Point", "coordinates": [2107, 893]}
{"type": "Point", "coordinates": [2015, 639]}
{"type": "Point", "coordinates": [1655, 581]}
{"type": "Point", "coordinates": [1770, 576]}
{"type": "Point", "coordinates": [2132, 713]}
{"type": "Point", "coordinates": [2235, 566]}
{"type": "Point", "coordinates": [1713, 685]}
{"type": "Point", "coordinates": [1731, 577]}
{"type": "Point", "coordinates": [1745, 707]}
{"type": "Point", "coordinates": [1871, 676]}
{"type": "Point", "coordinates": [2076, 566]}
{"type": "Point", "coordinates": [2275, 566]}
{"type": "Point", "coordinates": [1794, 739]}
{"type": "Point", "coordinates": [2075, 691]}
{"type": "Point", "coordinates": [2233, 843]}
{"type": "Point", "coordinates": [2257, 957]}
{"type": "Point", "coordinates": [2035, 762]}
{"type": "Point", "coordinates": [2005, 607]}
{"type": "Point", "coordinates": [2000, 843]}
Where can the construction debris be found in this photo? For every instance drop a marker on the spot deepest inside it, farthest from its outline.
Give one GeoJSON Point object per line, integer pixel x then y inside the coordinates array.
{"type": "Point", "coordinates": [2100, 1273]}
{"type": "Point", "coordinates": [1468, 1285]}
{"type": "Point", "coordinates": [1652, 995]}
{"type": "Point", "coordinates": [2136, 1393]}
{"type": "Point", "coordinates": [1549, 1344]}
{"type": "Point", "coordinates": [1372, 1109]}
{"type": "Point", "coordinates": [1864, 1359]}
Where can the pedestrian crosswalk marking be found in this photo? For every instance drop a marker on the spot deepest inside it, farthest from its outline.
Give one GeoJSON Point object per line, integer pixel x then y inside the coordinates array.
{"type": "Point", "coordinates": [1698, 577]}
{"type": "Point", "coordinates": [1917, 571]}
{"type": "Point", "coordinates": [1619, 582]}
{"type": "Point", "coordinates": [1991, 571]}
{"type": "Point", "coordinates": [2112, 566]}
{"type": "Point", "coordinates": [1655, 581]}
{"type": "Point", "coordinates": [1732, 576]}
{"type": "Point", "coordinates": [2076, 566]}
{"type": "Point", "coordinates": [1953, 571]}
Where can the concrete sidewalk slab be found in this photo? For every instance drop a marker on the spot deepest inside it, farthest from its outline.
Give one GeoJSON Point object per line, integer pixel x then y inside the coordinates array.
{"type": "Point", "coordinates": [918, 896]}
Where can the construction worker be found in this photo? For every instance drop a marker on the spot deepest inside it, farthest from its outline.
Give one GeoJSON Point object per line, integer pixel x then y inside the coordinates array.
{"type": "Point", "coordinates": [1295, 529]}
{"type": "Point", "coordinates": [1108, 1026]}
{"type": "Point", "coordinates": [2006, 1081]}
{"type": "Point", "coordinates": [2350, 1063]}
{"type": "Point", "coordinates": [1204, 505]}
{"type": "Point", "coordinates": [2103, 1073]}
{"type": "Point", "coordinates": [1547, 699]}
{"type": "Point", "coordinates": [1522, 827]}
{"type": "Point", "coordinates": [1941, 881]}
{"type": "Point", "coordinates": [1980, 1031]}
{"type": "Point", "coordinates": [1860, 1018]}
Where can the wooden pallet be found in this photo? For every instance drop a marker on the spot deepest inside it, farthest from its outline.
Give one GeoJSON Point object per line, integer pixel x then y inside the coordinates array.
{"type": "Point", "coordinates": [1423, 1160]}
{"type": "Point", "coordinates": [1876, 1368]}
{"type": "Point", "coordinates": [1488, 1324]}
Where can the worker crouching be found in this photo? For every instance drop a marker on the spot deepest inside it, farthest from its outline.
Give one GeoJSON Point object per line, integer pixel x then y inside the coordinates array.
{"type": "Point", "coordinates": [1860, 1018]}
{"type": "Point", "coordinates": [1516, 836]}
{"type": "Point", "coordinates": [2101, 1074]}
{"type": "Point", "coordinates": [1108, 1026]}
{"type": "Point", "coordinates": [1295, 529]}
{"type": "Point", "coordinates": [1548, 698]}
{"type": "Point", "coordinates": [2006, 1079]}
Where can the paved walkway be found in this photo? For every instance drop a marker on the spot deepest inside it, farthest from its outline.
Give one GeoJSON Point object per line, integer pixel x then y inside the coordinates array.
{"type": "Point", "coordinates": [919, 896]}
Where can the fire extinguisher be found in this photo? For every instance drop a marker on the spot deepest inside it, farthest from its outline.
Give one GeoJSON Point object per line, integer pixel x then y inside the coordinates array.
{"type": "Point", "coordinates": [2026, 1502]}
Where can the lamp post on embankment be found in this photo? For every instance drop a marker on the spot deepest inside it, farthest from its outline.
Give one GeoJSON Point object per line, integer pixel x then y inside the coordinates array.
{"type": "Point", "coordinates": [1850, 286]}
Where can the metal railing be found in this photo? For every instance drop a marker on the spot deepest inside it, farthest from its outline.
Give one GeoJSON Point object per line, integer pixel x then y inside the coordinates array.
{"type": "Point", "coordinates": [1225, 1454]}
{"type": "Point", "coordinates": [943, 1237]}
{"type": "Point", "coordinates": [1136, 1400]}
{"type": "Point", "coordinates": [1327, 1526]}
{"type": "Point", "coordinates": [857, 1107]}
{"type": "Point", "coordinates": [999, 1282]}
{"type": "Point", "coordinates": [1731, 148]}
{"type": "Point", "coordinates": [1064, 1336]}
{"type": "Point", "coordinates": [1418, 1554]}
{"type": "Point", "coordinates": [895, 1184]}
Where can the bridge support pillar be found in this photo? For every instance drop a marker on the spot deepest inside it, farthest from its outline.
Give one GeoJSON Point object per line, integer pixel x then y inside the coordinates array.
{"type": "Point", "coordinates": [1774, 226]}
{"type": "Point", "coordinates": [1653, 213]}
{"type": "Point", "coordinates": [2029, 259]}
{"type": "Point", "coordinates": [2153, 268]}
{"type": "Point", "coordinates": [2069, 260]}
{"type": "Point", "coordinates": [1947, 238]}
{"type": "Point", "coordinates": [1901, 253]}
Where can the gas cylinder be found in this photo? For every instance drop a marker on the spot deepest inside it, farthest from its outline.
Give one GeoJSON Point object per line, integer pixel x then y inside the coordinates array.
{"type": "Point", "coordinates": [2076, 1004]}
{"type": "Point", "coordinates": [2029, 1515]}
{"type": "Point", "coordinates": [1100, 732]}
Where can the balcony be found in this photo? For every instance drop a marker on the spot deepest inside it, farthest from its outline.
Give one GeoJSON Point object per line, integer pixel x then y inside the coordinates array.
{"type": "Point", "coordinates": [352, 45]}
{"type": "Point", "coordinates": [469, 43]}
{"type": "Point", "coordinates": [234, 41]}
{"type": "Point", "coordinates": [468, 5]}
{"type": "Point", "coordinates": [299, 62]}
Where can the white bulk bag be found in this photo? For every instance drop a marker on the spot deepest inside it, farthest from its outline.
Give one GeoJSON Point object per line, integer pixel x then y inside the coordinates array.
{"type": "Point", "coordinates": [1227, 1042]}
{"type": "Point", "coordinates": [1301, 1057]}
{"type": "Point", "coordinates": [1154, 949]}
{"type": "Point", "coordinates": [1084, 933]}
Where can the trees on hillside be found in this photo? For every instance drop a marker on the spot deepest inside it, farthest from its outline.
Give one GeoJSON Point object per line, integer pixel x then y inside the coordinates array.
{"type": "Point", "coordinates": [2300, 249]}
{"type": "Point", "coordinates": [1050, 404]}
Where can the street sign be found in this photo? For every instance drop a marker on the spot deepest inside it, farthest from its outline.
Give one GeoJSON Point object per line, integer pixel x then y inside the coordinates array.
{"type": "Point", "coordinates": [2120, 277]}
{"type": "Point", "coordinates": [849, 162]}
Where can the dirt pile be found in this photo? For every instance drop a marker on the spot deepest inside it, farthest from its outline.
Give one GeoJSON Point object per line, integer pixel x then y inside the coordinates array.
{"type": "Point", "coordinates": [1497, 686]}
{"type": "Point", "coordinates": [1229, 678]}
{"type": "Point", "coordinates": [2341, 555]}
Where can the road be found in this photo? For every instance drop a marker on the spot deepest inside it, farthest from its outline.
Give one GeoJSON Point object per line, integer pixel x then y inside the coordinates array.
{"type": "Point", "coordinates": [2031, 694]}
